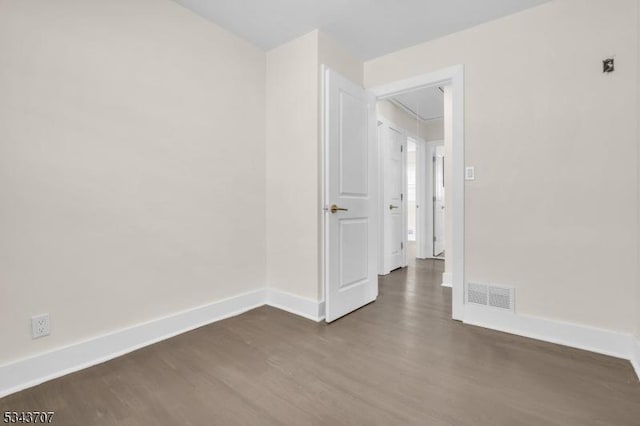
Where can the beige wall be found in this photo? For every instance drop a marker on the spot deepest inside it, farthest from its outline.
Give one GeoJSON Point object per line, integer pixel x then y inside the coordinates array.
{"type": "Point", "coordinates": [133, 163]}
{"type": "Point", "coordinates": [292, 167]}
{"type": "Point", "coordinates": [553, 140]}
{"type": "Point", "coordinates": [294, 160]}
{"type": "Point", "coordinates": [131, 166]}
{"type": "Point", "coordinates": [330, 53]}
{"type": "Point", "coordinates": [432, 130]}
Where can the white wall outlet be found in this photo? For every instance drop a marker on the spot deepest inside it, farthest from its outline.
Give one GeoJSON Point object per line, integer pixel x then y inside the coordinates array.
{"type": "Point", "coordinates": [470, 173]}
{"type": "Point", "coordinates": [40, 326]}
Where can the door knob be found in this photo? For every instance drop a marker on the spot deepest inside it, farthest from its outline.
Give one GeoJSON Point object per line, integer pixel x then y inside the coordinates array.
{"type": "Point", "coordinates": [335, 209]}
{"type": "Point", "coordinates": [391, 207]}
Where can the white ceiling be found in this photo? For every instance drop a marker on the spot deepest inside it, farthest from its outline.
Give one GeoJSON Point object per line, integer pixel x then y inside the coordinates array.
{"type": "Point", "coordinates": [367, 28]}
{"type": "Point", "coordinates": [427, 103]}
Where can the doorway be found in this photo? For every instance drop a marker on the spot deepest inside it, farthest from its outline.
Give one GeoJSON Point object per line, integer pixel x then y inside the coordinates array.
{"type": "Point", "coordinates": [412, 177]}
{"type": "Point", "coordinates": [339, 124]}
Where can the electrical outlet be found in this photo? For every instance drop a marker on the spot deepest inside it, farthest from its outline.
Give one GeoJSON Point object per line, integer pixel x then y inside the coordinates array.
{"type": "Point", "coordinates": [40, 326]}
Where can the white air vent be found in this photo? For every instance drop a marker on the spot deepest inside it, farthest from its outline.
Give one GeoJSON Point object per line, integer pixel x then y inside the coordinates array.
{"type": "Point", "coordinates": [489, 295]}
{"type": "Point", "coordinates": [501, 297]}
{"type": "Point", "coordinates": [477, 293]}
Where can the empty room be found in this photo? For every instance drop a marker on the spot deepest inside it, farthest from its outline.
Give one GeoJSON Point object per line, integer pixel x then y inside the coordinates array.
{"type": "Point", "coordinates": [306, 212]}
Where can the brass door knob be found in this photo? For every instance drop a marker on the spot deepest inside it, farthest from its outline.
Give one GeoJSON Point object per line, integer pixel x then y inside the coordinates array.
{"type": "Point", "coordinates": [335, 208]}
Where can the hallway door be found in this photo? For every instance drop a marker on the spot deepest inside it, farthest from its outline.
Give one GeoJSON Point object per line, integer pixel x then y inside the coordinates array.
{"type": "Point", "coordinates": [394, 198]}
{"type": "Point", "coordinates": [438, 201]}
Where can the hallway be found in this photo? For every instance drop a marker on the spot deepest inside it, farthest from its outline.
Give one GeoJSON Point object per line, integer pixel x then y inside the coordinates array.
{"type": "Point", "coordinates": [399, 360]}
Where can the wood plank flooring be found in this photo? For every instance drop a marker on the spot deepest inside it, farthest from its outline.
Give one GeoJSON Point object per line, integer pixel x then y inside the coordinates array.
{"type": "Point", "coordinates": [398, 361]}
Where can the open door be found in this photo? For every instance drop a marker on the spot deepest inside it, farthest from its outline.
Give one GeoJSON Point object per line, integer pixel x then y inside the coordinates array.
{"type": "Point", "coordinates": [393, 146]}
{"type": "Point", "coordinates": [438, 202]}
{"type": "Point", "coordinates": [350, 196]}
{"type": "Point", "coordinates": [421, 200]}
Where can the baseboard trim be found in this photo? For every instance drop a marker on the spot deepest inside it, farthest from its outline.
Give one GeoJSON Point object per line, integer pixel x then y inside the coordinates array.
{"type": "Point", "coordinates": [606, 342]}
{"type": "Point", "coordinates": [635, 360]}
{"type": "Point", "coordinates": [301, 306]}
{"type": "Point", "coordinates": [447, 280]}
{"type": "Point", "coordinates": [46, 366]}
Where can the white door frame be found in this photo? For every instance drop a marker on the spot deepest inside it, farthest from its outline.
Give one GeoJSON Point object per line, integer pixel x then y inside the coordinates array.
{"type": "Point", "coordinates": [453, 76]}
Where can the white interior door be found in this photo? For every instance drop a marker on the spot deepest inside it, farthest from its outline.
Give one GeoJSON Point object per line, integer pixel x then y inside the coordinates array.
{"type": "Point", "coordinates": [438, 201]}
{"type": "Point", "coordinates": [423, 201]}
{"type": "Point", "coordinates": [419, 189]}
{"type": "Point", "coordinates": [393, 146]}
{"type": "Point", "coordinates": [350, 197]}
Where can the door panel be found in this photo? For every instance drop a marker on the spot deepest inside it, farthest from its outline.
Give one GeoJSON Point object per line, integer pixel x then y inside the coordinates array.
{"type": "Point", "coordinates": [350, 230]}
{"type": "Point", "coordinates": [353, 245]}
{"type": "Point", "coordinates": [354, 173]}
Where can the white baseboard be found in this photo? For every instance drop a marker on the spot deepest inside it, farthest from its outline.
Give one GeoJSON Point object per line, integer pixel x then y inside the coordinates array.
{"type": "Point", "coordinates": [635, 360]}
{"type": "Point", "coordinates": [607, 342]}
{"type": "Point", "coordinates": [447, 280]}
{"type": "Point", "coordinates": [297, 305]}
{"type": "Point", "coordinates": [49, 365]}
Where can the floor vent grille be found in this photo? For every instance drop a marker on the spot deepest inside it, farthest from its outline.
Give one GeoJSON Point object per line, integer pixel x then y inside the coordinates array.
{"type": "Point", "coordinates": [477, 293]}
{"type": "Point", "coordinates": [489, 295]}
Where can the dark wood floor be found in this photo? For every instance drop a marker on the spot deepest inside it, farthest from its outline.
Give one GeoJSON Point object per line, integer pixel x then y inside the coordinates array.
{"type": "Point", "coordinates": [400, 360]}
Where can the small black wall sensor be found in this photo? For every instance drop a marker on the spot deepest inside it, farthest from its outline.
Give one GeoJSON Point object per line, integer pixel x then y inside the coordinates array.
{"type": "Point", "coordinates": [608, 65]}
